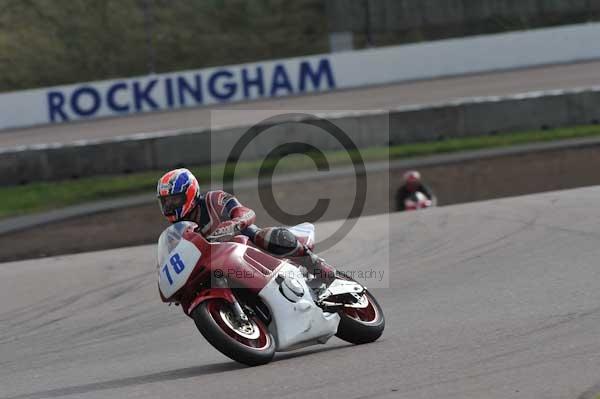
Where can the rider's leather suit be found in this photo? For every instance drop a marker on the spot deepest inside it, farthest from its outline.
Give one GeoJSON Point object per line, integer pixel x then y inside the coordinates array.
{"type": "Point", "coordinates": [221, 214]}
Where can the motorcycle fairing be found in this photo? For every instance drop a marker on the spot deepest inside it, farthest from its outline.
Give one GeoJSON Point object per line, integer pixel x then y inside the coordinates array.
{"type": "Point", "coordinates": [417, 201]}
{"type": "Point", "coordinates": [177, 267]}
{"type": "Point", "coordinates": [300, 323]}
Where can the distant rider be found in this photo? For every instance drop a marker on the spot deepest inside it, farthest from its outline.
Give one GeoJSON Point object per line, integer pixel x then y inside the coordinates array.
{"type": "Point", "coordinates": [412, 183]}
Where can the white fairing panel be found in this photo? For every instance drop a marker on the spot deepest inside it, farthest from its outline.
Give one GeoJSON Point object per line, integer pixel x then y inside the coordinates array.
{"type": "Point", "coordinates": [177, 267]}
{"type": "Point", "coordinates": [299, 323]}
{"type": "Point", "coordinates": [304, 230]}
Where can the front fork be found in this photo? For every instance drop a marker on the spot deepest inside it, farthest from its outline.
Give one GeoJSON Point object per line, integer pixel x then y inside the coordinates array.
{"type": "Point", "coordinates": [235, 304]}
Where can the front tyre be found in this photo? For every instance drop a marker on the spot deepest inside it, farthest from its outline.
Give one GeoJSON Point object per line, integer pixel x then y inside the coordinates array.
{"type": "Point", "coordinates": [361, 325]}
{"type": "Point", "coordinates": [249, 342]}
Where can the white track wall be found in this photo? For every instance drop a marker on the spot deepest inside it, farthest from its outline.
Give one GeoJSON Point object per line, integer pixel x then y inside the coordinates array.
{"type": "Point", "coordinates": [302, 75]}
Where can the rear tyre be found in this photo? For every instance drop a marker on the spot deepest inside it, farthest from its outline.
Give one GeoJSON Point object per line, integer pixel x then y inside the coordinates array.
{"type": "Point", "coordinates": [361, 325]}
{"type": "Point", "coordinates": [249, 343]}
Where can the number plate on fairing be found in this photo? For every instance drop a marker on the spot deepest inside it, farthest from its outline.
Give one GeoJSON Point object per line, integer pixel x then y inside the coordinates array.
{"type": "Point", "coordinates": [174, 273]}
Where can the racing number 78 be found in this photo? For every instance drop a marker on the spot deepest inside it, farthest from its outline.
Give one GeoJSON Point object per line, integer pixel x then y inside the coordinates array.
{"type": "Point", "coordinates": [178, 267]}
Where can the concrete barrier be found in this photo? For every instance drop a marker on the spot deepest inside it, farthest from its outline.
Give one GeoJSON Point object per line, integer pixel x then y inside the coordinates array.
{"type": "Point", "coordinates": [470, 117]}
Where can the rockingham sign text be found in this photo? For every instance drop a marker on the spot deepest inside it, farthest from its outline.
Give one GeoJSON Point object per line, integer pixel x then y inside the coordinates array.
{"type": "Point", "coordinates": [169, 91]}
{"type": "Point", "coordinates": [160, 92]}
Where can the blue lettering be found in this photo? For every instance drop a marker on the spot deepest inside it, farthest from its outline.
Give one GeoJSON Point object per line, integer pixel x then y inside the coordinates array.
{"type": "Point", "coordinates": [141, 95]}
{"type": "Point", "coordinates": [258, 82]}
{"type": "Point", "coordinates": [177, 263]}
{"type": "Point", "coordinates": [184, 87]}
{"type": "Point", "coordinates": [169, 90]}
{"type": "Point", "coordinates": [280, 80]}
{"type": "Point", "coordinates": [323, 69]}
{"type": "Point", "coordinates": [165, 270]}
{"type": "Point", "coordinates": [111, 100]}
{"type": "Point", "coordinates": [230, 87]}
{"type": "Point", "coordinates": [75, 101]}
{"type": "Point", "coordinates": [56, 100]}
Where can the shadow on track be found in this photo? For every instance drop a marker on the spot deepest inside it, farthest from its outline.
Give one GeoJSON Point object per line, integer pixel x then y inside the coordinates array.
{"type": "Point", "coordinates": [301, 353]}
{"type": "Point", "coordinates": [176, 374]}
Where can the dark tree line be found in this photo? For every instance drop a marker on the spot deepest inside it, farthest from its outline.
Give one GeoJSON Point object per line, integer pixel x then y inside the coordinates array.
{"type": "Point", "coordinates": [51, 42]}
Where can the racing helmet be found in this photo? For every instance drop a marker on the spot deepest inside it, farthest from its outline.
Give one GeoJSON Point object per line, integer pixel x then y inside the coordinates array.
{"type": "Point", "coordinates": [412, 179]}
{"type": "Point", "coordinates": [178, 194]}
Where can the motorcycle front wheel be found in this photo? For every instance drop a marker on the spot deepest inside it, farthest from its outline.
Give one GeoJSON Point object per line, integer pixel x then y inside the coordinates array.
{"type": "Point", "coordinates": [249, 342]}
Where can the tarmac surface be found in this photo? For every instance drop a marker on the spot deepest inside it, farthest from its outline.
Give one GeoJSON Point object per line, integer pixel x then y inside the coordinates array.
{"type": "Point", "coordinates": [497, 299]}
{"type": "Point", "coordinates": [565, 76]}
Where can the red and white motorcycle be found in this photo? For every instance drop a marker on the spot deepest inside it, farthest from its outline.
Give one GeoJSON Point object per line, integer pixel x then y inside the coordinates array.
{"type": "Point", "coordinates": [249, 304]}
{"type": "Point", "coordinates": [418, 201]}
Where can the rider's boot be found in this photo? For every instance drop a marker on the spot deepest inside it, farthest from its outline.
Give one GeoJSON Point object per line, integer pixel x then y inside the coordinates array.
{"type": "Point", "coordinates": [320, 269]}
{"type": "Point", "coordinates": [283, 243]}
{"type": "Point", "coordinates": [319, 274]}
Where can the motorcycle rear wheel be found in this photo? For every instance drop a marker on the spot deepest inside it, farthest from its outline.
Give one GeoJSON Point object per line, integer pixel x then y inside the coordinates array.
{"type": "Point", "coordinates": [249, 343]}
{"type": "Point", "coordinates": [361, 325]}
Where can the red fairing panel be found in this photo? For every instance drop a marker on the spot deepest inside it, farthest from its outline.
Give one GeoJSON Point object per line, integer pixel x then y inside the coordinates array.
{"type": "Point", "coordinates": [243, 266]}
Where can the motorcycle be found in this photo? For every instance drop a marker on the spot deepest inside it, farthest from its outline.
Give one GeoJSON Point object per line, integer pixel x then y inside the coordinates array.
{"type": "Point", "coordinates": [417, 201]}
{"type": "Point", "coordinates": [248, 304]}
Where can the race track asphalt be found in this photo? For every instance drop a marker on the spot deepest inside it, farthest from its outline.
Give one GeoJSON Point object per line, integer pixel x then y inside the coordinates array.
{"type": "Point", "coordinates": [383, 97]}
{"type": "Point", "coordinates": [497, 299]}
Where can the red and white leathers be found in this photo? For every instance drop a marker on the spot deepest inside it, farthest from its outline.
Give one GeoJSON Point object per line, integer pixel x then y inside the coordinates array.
{"type": "Point", "coordinates": [221, 214]}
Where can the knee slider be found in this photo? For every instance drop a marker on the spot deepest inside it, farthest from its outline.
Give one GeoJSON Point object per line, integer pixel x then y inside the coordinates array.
{"type": "Point", "coordinates": [281, 241]}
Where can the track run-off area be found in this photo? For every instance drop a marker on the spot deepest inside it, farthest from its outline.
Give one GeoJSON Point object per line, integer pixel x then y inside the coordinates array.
{"type": "Point", "coordinates": [565, 76]}
{"type": "Point", "coordinates": [497, 299]}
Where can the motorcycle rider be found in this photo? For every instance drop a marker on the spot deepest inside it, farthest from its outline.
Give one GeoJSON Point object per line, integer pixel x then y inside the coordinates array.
{"type": "Point", "coordinates": [220, 214]}
{"type": "Point", "coordinates": [412, 183]}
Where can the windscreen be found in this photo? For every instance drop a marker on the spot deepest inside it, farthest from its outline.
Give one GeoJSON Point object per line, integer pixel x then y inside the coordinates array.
{"type": "Point", "coordinates": [170, 238]}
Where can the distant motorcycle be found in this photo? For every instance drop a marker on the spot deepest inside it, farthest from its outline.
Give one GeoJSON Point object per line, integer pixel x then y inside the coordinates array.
{"type": "Point", "coordinates": [249, 304]}
{"type": "Point", "coordinates": [417, 201]}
